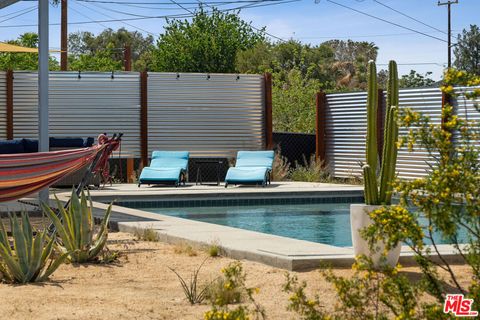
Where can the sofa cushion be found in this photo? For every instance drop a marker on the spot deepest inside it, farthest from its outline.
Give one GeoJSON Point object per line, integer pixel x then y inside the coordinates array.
{"type": "Point", "coordinates": [11, 146]}
{"type": "Point", "coordinates": [66, 143]}
{"type": "Point", "coordinates": [30, 145]}
{"type": "Point", "coordinates": [89, 142]}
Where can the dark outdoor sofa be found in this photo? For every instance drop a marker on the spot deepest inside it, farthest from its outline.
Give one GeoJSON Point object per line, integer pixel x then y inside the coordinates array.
{"type": "Point", "coordinates": [30, 145]}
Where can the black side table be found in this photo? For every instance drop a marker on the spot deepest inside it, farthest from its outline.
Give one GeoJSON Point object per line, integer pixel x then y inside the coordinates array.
{"type": "Point", "coordinates": [200, 163]}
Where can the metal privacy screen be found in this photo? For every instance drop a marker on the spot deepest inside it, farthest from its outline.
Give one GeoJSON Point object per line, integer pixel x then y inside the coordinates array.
{"type": "Point", "coordinates": [209, 115]}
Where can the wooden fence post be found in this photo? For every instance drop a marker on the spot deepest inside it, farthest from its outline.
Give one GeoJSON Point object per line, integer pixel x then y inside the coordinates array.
{"type": "Point", "coordinates": [268, 110]}
{"type": "Point", "coordinates": [9, 111]}
{"type": "Point", "coordinates": [144, 118]}
{"type": "Point", "coordinates": [320, 136]}
{"type": "Point", "coordinates": [446, 100]}
{"type": "Point", "coordinates": [380, 122]}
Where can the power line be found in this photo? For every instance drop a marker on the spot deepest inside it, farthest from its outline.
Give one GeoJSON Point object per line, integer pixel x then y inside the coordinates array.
{"type": "Point", "coordinates": [357, 36]}
{"type": "Point", "coordinates": [410, 17]}
{"type": "Point", "coordinates": [386, 21]}
{"type": "Point", "coordinates": [18, 11]}
{"type": "Point", "coordinates": [181, 6]}
{"type": "Point", "coordinates": [85, 16]}
{"type": "Point", "coordinates": [415, 64]}
{"type": "Point", "coordinates": [20, 14]}
{"type": "Point", "coordinates": [214, 3]}
{"type": "Point", "coordinates": [165, 8]}
{"type": "Point", "coordinates": [173, 16]}
{"type": "Point", "coordinates": [255, 28]}
{"type": "Point", "coordinates": [108, 16]}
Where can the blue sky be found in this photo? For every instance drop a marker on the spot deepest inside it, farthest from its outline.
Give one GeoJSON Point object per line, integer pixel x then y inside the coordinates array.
{"type": "Point", "coordinates": [304, 20]}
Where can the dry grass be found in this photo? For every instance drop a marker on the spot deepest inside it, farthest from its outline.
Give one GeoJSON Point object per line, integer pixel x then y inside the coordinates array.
{"type": "Point", "coordinates": [185, 249]}
{"type": "Point", "coordinates": [146, 234]}
{"type": "Point", "coordinates": [140, 286]}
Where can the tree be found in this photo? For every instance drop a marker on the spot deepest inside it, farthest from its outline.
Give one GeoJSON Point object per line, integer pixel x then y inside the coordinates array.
{"type": "Point", "coordinates": [88, 52]}
{"type": "Point", "coordinates": [351, 61]}
{"type": "Point", "coordinates": [416, 80]}
{"type": "Point", "coordinates": [312, 61]}
{"type": "Point", "coordinates": [294, 102]}
{"type": "Point", "coordinates": [209, 43]}
{"type": "Point", "coordinates": [467, 50]}
{"type": "Point", "coordinates": [24, 61]}
{"type": "Point", "coordinates": [258, 59]}
{"type": "Point", "coordinates": [101, 61]}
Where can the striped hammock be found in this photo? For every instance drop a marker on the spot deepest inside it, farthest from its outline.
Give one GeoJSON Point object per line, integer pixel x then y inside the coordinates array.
{"type": "Point", "coordinates": [27, 173]}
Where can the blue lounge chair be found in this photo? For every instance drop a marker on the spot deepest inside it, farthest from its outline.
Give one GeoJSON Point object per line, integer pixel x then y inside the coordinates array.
{"type": "Point", "coordinates": [166, 167]}
{"type": "Point", "coordinates": [252, 167]}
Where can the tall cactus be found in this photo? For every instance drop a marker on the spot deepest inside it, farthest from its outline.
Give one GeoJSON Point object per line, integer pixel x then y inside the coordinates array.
{"type": "Point", "coordinates": [373, 195]}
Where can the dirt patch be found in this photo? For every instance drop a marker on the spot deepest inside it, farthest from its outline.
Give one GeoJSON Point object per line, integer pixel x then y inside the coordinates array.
{"type": "Point", "coordinates": [141, 286]}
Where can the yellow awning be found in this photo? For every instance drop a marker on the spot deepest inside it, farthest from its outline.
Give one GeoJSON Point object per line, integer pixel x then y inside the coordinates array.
{"type": "Point", "coordinates": [5, 47]}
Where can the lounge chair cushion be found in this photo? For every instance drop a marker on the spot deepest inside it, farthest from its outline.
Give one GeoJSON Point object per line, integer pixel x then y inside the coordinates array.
{"type": "Point", "coordinates": [166, 166]}
{"type": "Point", "coordinates": [255, 159]}
{"type": "Point", "coordinates": [170, 159]}
{"type": "Point", "coordinates": [246, 174]}
{"type": "Point", "coordinates": [155, 175]}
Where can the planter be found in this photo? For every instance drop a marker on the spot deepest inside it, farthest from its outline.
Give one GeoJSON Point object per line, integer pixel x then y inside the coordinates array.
{"type": "Point", "coordinates": [359, 219]}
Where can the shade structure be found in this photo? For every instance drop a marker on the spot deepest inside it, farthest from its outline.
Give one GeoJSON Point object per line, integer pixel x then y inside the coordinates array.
{"type": "Point", "coordinates": [6, 47]}
{"type": "Point", "coordinates": [6, 3]}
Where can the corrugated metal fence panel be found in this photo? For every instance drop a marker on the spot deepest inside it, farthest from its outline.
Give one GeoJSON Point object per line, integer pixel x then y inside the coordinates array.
{"type": "Point", "coordinates": [85, 106]}
{"type": "Point", "coordinates": [428, 102]}
{"type": "Point", "coordinates": [346, 127]}
{"type": "Point", "coordinates": [209, 117]}
{"type": "Point", "coordinates": [3, 105]}
{"type": "Point", "coordinates": [465, 108]}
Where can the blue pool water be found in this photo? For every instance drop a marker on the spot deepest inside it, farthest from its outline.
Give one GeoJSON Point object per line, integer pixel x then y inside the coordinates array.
{"type": "Point", "coordinates": [327, 223]}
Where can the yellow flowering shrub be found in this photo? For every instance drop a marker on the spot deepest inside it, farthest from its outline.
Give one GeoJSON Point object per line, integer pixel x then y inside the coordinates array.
{"type": "Point", "coordinates": [231, 289]}
{"type": "Point", "coordinates": [445, 202]}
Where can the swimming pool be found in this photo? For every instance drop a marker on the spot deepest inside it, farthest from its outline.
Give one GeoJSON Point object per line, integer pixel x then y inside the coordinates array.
{"type": "Point", "coordinates": [327, 223]}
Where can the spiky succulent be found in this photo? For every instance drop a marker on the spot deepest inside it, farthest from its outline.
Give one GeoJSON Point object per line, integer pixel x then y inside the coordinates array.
{"type": "Point", "coordinates": [31, 259]}
{"type": "Point", "coordinates": [75, 228]}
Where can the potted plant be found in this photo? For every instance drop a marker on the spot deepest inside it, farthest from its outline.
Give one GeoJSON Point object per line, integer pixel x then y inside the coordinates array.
{"type": "Point", "coordinates": [377, 190]}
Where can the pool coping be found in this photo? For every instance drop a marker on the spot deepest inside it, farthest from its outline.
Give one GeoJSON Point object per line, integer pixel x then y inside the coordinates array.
{"type": "Point", "coordinates": [277, 251]}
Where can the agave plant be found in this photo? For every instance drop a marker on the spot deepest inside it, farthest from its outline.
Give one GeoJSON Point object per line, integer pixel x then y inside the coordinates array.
{"type": "Point", "coordinates": [75, 228]}
{"type": "Point", "coordinates": [30, 260]}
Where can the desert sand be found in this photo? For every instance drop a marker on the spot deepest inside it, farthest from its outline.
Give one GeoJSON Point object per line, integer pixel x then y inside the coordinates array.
{"type": "Point", "coordinates": [140, 286]}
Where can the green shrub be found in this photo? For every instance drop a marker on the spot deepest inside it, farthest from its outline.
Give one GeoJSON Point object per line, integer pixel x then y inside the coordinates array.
{"type": "Point", "coordinates": [75, 228]}
{"type": "Point", "coordinates": [294, 101]}
{"type": "Point", "coordinates": [446, 201]}
{"type": "Point", "coordinates": [368, 294]}
{"type": "Point", "coordinates": [231, 289]}
{"type": "Point", "coordinates": [31, 259]}
{"type": "Point", "coordinates": [312, 170]}
{"type": "Point", "coordinates": [280, 167]}
{"type": "Point", "coordinates": [214, 249]}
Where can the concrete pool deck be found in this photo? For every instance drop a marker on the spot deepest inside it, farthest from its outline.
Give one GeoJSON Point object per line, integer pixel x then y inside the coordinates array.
{"type": "Point", "coordinates": [297, 189]}
{"type": "Point", "coordinates": [277, 251]}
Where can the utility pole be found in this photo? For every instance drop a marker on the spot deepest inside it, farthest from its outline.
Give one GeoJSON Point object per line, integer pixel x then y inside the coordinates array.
{"type": "Point", "coordinates": [64, 37]}
{"type": "Point", "coordinates": [449, 4]}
